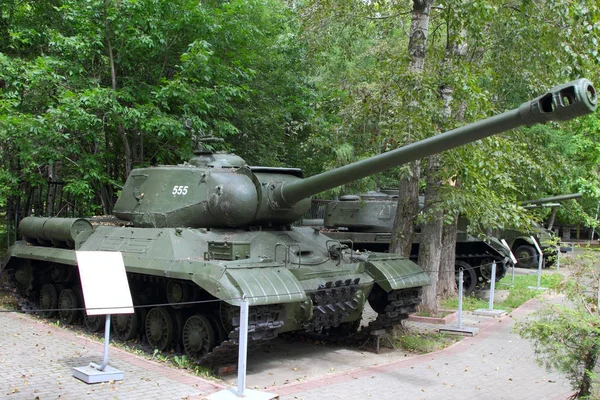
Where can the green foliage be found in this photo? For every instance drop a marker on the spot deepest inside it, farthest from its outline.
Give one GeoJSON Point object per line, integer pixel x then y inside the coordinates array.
{"type": "Point", "coordinates": [566, 335]}
{"type": "Point", "coordinates": [370, 104]}
{"type": "Point", "coordinates": [420, 343]}
{"type": "Point", "coordinates": [185, 363]}
{"type": "Point", "coordinates": [519, 292]}
{"type": "Point", "coordinates": [470, 303]}
{"type": "Point", "coordinates": [92, 87]}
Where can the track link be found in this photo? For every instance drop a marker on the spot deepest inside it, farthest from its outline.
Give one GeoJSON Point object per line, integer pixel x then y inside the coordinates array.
{"type": "Point", "coordinates": [263, 324]}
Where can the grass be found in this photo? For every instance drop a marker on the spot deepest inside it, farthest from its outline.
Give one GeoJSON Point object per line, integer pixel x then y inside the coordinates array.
{"type": "Point", "coordinates": [423, 342]}
{"type": "Point", "coordinates": [519, 292]}
{"type": "Point", "coordinates": [440, 313]}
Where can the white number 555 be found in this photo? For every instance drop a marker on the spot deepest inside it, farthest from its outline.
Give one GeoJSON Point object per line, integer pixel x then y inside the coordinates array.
{"type": "Point", "coordinates": [180, 190]}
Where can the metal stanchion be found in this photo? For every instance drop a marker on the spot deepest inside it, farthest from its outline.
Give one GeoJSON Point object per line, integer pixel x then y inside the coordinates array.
{"type": "Point", "coordinates": [459, 329]}
{"type": "Point", "coordinates": [492, 286]}
{"type": "Point", "coordinates": [540, 261]}
{"type": "Point", "coordinates": [231, 394]}
{"type": "Point", "coordinates": [243, 351]}
{"type": "Point", "coordinates": [460, 296]}
{"type": "Point", "coordinates": [490, 312]}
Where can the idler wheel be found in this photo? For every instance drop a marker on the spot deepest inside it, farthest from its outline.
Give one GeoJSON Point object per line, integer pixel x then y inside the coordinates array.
{"type": "Point", "coordinates": [125, 326]}
{"type": "Point", "coordinates": [48, 300]}
{"type": "Point", "coordinates": [94, 323]}
{"type": "Point", "coordinates": [160, 330]}
{"type": "Point", "coordinates": [198, 336]}
{"type": "Point", "coordinates": [469, 277]}
{"type": "Point", "coordinates": [378, 299]}
{"type": "Point", "coordinates": [67, 303]}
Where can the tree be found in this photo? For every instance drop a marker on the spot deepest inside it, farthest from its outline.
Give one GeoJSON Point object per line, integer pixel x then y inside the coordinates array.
{"type": "Point", "coordinates": [383, 99]}
{"type": "Point", "coordinates": [566, 337]}
{"type": "Point", "coordinates": [89, 90]}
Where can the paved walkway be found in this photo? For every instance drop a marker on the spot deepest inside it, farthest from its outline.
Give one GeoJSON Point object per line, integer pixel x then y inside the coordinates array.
{"type": "Point", "coordinates": [495, 364]}
{"type": "Point", "coordinates": [36, 359]}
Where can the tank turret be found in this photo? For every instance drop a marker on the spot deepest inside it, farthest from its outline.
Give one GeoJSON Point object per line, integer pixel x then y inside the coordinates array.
{"type": "Point", "coordinates": [207, 233]}
{"type": "Point", "coordinates": [231, 194]}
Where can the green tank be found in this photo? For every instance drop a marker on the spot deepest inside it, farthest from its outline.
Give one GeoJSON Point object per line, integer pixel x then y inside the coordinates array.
{"type": "Point", "coordinates": [197, 237]}
{"type": "Point", "coordinates": [521, 243]}
{"type": "Point", "coordinates": [367, 220]}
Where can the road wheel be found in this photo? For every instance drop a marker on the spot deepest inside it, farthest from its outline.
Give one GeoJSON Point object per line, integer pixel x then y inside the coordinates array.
{"type": "Point", "coordinates": [198, 336]}
{"type": "Point", "coordinates": [94, 323]}
{"type": "Point", "coordinates": [125, 326]}
{"type": "Point", "coordinates": [469, 277]}
{"type": "Point", "coordinates": [67, 303]}
{"type": "Point", "coordinates": [160, 330]}
{"type": "Point", "coordinates": [527, 256]}
{"type": "Point", "coordinates": [48, 300]}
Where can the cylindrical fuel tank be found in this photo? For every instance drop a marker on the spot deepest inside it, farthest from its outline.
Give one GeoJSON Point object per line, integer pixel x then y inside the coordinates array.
{"type": "Point", "coordinates": [60, 232]}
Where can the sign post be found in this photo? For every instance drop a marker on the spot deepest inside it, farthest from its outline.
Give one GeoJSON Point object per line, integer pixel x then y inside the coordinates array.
{"type": "Point", "coordinates": [105, 292]}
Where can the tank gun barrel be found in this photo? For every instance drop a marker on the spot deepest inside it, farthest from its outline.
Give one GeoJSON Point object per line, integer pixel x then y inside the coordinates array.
{"type": "Point", "coordinates": [545, 200]}
{"type": "Point", "coordinates": [561, 103]}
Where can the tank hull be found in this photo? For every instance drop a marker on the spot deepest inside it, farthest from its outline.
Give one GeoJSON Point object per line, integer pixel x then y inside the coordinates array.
{"type": "Point", "coordinates": [292, 278]}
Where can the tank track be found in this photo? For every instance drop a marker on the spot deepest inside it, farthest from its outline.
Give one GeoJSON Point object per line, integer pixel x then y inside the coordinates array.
{"type": "Point", "coordinates": [332, 302]}
{"type": "Point", "coordinates": [401, 303]}
{"type": "Point", "coordinates": [263, 324]}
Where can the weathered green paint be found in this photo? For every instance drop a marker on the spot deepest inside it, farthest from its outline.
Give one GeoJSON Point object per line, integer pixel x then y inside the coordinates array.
{"type": "Point", "coordinates": [394, 272]}
{"type": "Point", "coordinates": [57, 231]}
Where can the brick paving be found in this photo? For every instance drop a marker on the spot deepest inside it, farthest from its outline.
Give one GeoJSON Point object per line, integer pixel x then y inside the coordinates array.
{"type": "Point", "coordinates": [495, 364]}
{"type": "Point", "coordinates": [36, 359]}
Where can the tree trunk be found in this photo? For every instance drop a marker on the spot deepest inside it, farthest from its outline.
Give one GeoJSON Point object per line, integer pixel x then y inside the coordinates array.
{"type": "Point", "coordinates": [552, 217]}
{"type": "Point", "coordinates": [408, 187]}
{"type": "Point", "coordinates": [113, 77]}
{"type": "Point", "coordinates": [431, 235]}
{"type": "Point", "coordinates": [408, 208]}
{"type": "Point", "coordinates": [419, 30]}
{"type": "Point", "coordinates": [447, 282]}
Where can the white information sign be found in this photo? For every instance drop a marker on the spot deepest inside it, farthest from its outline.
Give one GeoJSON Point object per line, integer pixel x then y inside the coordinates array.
{"type": "Point", "coordinates": [104, 282]}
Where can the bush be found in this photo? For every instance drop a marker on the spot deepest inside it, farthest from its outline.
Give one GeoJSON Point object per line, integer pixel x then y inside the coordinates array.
{"type": "Point", "coordinates": [566, 337]}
